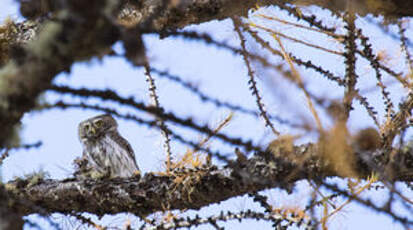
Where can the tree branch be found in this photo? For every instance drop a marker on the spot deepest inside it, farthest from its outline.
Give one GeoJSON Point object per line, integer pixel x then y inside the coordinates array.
{"type": "Point", "coordinates": [194, 188]}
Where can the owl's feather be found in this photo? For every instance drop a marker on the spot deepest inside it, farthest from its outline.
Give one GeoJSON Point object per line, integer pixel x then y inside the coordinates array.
{"type": "Point", "coordinates": [123, 142]}
{"type": "Point", "coordinates": [105, 150]}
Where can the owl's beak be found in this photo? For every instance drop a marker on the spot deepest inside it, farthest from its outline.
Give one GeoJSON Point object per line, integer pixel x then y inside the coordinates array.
{"type": "Point", "coordinates": [92, 131]}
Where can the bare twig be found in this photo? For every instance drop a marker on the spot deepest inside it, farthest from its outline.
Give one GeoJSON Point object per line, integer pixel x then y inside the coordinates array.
{"type": "Point", "coordinates": [252, 82]}
{"type": "Point", "coordinates": [164, 128]}
{"type": "Point", "coordinates": [24, 146]}
{"type": "Point", "coordinates": [404, 41]}
{"type": "Point", "coordinates": [350, 55]}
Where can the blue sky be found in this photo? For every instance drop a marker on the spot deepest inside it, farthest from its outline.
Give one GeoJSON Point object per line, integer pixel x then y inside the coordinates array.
{"type": "Point", "coordinates": [219, 73]}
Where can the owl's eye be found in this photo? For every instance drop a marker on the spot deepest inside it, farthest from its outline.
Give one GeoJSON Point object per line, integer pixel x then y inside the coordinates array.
{"type": "Point", "coordinates": [86, 126]}
{"type": "Point", "coordinates": [98, 123]}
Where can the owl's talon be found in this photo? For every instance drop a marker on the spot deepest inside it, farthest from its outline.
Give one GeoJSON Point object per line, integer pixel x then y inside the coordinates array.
{"type": "Point", "coordinates": [137, 174]}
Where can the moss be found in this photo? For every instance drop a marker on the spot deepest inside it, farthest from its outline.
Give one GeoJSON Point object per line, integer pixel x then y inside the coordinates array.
{"type": "Point", "coordinates": [11, 187]}
{"type": "Point", "coordinates": [14, 137]}
{"type": "Point", "coordinates": [6, 74]}
{"type": "Point", "coordinates": [41, 48]}
{"type": "Point", "coordinates": [97, 175]}
{"type": "Point", "coordinates": [35, 178]}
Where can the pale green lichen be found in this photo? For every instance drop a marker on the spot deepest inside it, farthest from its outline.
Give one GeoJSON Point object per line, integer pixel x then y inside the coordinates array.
{"type": "Point", "coordinates": [10, 187]}
{"type": "Point", "coordinates": [40, 47]}
{"type": "Point", "coordinates": [35, 178]}
{"type": "Point", "coordinates": [97, 175]}
{"type": "Point", "coordinates": [6, 73]}
{"type": "Point", "coordinates": [14, 138]}
{"type": "Point", "coordinates": [110, 6]}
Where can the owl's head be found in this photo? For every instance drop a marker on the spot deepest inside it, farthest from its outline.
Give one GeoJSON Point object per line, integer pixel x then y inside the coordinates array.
{"type": "Point", "coordinates": [96, 127]}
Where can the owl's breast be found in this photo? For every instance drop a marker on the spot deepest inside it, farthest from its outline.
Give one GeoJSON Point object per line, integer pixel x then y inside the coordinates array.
{"type": "Point", "coordinates": [97, 151]}
{"type": "Point", "coordinates": [108, 153]}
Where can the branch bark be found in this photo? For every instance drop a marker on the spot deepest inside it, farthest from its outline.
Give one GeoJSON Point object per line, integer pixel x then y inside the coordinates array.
{"type": "Point", "coordinates": [10, 217]}
{"type": "Point", "coordinates": [196, 188]}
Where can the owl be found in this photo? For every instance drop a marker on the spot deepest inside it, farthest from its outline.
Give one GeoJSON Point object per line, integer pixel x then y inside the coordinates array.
{"type": "Point", "coordinates": [105, 151]}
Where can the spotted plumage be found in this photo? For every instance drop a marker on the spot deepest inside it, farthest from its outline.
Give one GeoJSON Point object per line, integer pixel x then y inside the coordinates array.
{"type": "Point", "coordinates": [104, 149]}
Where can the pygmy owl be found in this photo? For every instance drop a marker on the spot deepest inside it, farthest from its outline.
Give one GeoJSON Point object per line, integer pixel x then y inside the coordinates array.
{"type": "Point", "coordinates": [105, 150]}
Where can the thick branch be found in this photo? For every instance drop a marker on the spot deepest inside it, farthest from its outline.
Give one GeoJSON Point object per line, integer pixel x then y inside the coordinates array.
{"type": "Point", "coordinates": [11, 220]}
{"type": "Point", "coordinates": [196, 188]}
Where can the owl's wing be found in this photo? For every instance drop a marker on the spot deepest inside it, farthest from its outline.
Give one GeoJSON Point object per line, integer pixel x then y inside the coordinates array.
{"type": "Point", "coordinates": [124, 144]}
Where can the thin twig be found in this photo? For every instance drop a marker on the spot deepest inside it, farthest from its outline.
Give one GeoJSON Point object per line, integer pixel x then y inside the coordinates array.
{"type": "Point", "coordinates": [155, 99]}
{"type": "Point", "coordinates": [218, 102]}
{"type": "Point", "coordinates": [252, 82]}
{"type": "Point", "coordinates": [329, 33]}
{"type": "Point", "coordinates": [368, 203]}
{"type": "Point", "coordinates": [374, 62]}
{"type": "Point", "coordinates": [310, 19]}
{"type": "Point", "coordinates": [300, 84]}
{"type": "Point", "coordinates": [404, 41]}
{"type": "Point", "coordinates": [88, 221]}
{"type": "Point", "coordinates": [297, 40]}
{"type": "Point", "coordinates": [6, 152]}
{"type": "Point", "coordinates": [350, 56]}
